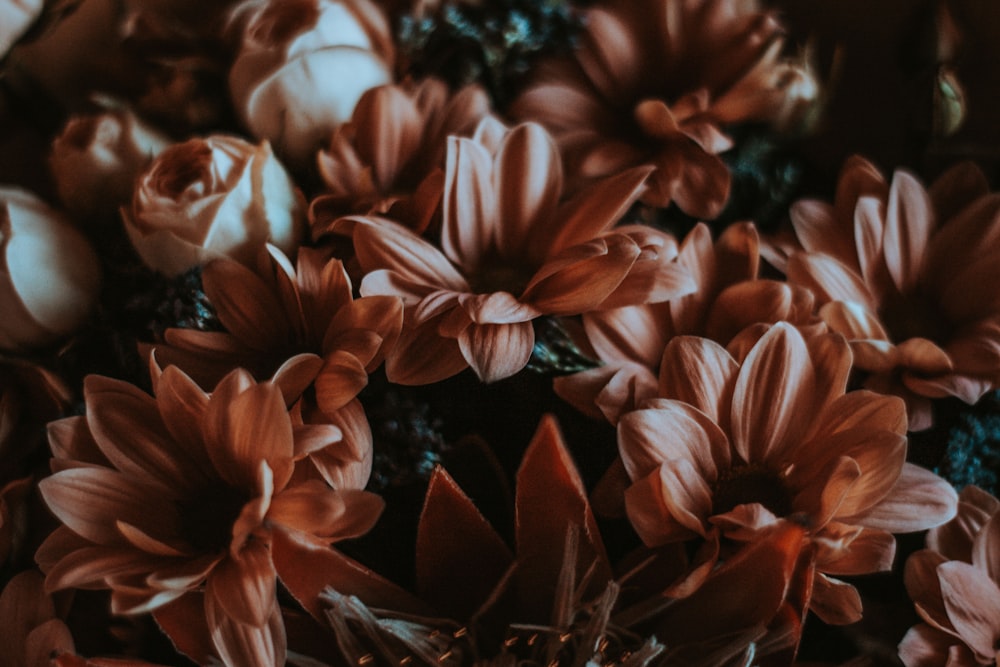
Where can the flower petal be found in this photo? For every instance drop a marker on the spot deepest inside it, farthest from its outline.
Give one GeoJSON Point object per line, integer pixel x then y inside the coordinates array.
{"type": "Point", "coordinates": [773, 395]}
{"type": "Point", "coordinates": [497, 351]}
{"type": "Point", "coordinates": [972, 601]}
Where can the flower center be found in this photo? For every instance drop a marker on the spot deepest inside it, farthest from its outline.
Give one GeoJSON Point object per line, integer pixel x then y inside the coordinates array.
{"type": "Point", "coordinates": [495, 275]}
{"type": "Point", "coordinates": [752, 483]}
{"type": "Point", "coordinates": [915, 316]}
{"type": "Point", "coordinates": [207, 518]}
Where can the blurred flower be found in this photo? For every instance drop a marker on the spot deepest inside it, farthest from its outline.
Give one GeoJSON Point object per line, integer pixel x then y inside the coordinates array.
{"type": "Point", "coordinates": [718, 62]}
{"type": "Point", "coordinates": [729, 299]}
{"type": "Point", "coordinates": [50, 277]}
{"type": "Point", "coordinates": [737, 445]}
{"type": "Point", "coordinates": [302, 65]}
{"type": "Point", "coordinates": [208, 198]}
{"type": "Point", "coordinates": [955, 587]}
{"type": "Point", "coordinates": [16, 17]}
{"type": "Point", "coordinates": [389, 159]}
{"type": "Point", "coordinates": [96, 159]}
{"type": "Point", "coordinates": [164, 497]}
{"type": "Point", "coordinates": [32, 632]}
{"type": "Point", "coordinates": [510, 252]}
{"type": "Point", "coordinates": [30, 396]}
{"type": "Point", "coordinates": [898, 270]}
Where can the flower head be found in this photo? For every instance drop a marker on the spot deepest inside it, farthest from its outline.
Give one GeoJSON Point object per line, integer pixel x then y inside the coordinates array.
{"type": "Point", "coordinates": [164, 497]}
{"type": "Point", "coordinates": [510, 251]}
{"type": "Point", "coordinates": [898, 270]}
{"type": "Point", "coordinates": [955, 587]}
{"type": "Point", "coordinates": [734, 446]}
{"type": "Point", "coordinates": [208, 198]}
{"type": "Point", "coordinates": [718, 62]}
{"type": "Point", "coordinates": [729, 301]}
{"type": "Point", "coordinates": [298, 323]}
{"type": "Point", "coordinates": [389, 159]}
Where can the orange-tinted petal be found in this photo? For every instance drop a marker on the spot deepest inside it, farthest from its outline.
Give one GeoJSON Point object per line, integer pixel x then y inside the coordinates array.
{"type": "Point", "coordinates": [772, 395]}
{"type": "Point", "coordinates": [497, 351]}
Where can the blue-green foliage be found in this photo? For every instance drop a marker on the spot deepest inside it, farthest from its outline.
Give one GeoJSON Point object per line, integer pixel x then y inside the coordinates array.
{"type": "Point", "coordinates": [972, 455]}
{"type": "Point", "coordinates": [494, 44]}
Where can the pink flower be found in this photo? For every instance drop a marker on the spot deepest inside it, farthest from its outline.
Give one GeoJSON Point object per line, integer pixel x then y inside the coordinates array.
{"type": "Point", "coordinates": [510, 251]}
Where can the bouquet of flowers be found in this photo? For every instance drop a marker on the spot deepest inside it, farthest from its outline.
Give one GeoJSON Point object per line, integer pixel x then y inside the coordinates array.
{"type": "Point", "coordinates": [499, 333]}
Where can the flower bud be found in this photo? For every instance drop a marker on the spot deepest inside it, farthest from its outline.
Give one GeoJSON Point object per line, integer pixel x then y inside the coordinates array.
{"type": "Point", "coordinates": [49, 274]}
{"type": "Point", "coordinates": [302, 66]}
{"type": "Point", "coordinates": [97, 158]}
{"type": "Point", "coordinates": [213, 197]}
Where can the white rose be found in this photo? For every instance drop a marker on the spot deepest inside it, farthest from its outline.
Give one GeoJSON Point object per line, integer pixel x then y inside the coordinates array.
{"type": "Point", "coordinates": [49, 274]}
{"type": "Point", "coordinates": [96, 159]}
{"type": "Point", "coordinates": [302, 65]}
{"type": "Point", "coordinates": [207, 198]}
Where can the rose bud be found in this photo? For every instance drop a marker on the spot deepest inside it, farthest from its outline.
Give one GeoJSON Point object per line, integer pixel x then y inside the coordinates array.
{"type": "Point", "coordinates": [213, 197]}
{"type": "Point", "coordinates": [96, 159]}
{"type": "Point", "coordinates": [16, 17]}
{"type": "Point", "coordinates": [301, 67]}
{"type": "Point", "coordinates": [49, 274]}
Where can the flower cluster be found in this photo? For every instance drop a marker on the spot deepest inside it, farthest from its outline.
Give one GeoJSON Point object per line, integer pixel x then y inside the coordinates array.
{"type": "Point", "coordinates": [315, 354]}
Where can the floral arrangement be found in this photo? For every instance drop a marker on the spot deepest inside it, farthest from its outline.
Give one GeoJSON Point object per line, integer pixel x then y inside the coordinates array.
{"type": "Point", "coordinates": [603, 333]}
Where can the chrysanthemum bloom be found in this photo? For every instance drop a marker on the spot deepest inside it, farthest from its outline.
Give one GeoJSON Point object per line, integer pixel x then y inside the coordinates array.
{"type": "Point", "coordinates": [281, 312]}
{"type": "Point", "coordinates": [955, 586]}
{"type": "Point", "coordinates": [735, 445]}
{"type": "Point", "coordinates": [630, 341]}
{"type": "Point", "coordinates": [177, 497]}
{"type": "Point", "coordinates": [510, 251]}
{"type": "Point", "coordinates": [654, 81]}
{"type": "Point", "coordinates": [389, 159]}
{"type": "Point", "coordinates": [900, 272]}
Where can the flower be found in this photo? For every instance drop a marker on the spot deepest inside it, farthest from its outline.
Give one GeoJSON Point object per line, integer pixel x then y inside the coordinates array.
{"type": "Point", "coordinates": [16, 17]}
{"type": "Point", "coordinates": [32, 632]}
{"type": "Point", "coordinates": [213, 197]}
{"type": "Point", "coordinates": [734, 446]}
{"type": "Point", "coordinates": [96, 159]}
{"type": "Point", "coordinates": [510, 252]}
{"type": "Point", "coordinates": [898, 270]}
{"type": "Point", "coordinates": [30, 396]}
{"type": "Point", "coordinates": [718, 63]}
{"type": "Point", "coordinates": [389, 159]}
{"type": "Point", "coordinates": [955, 587]}
{"type": "Point", "coordinates": [49, 274]}
{"type": "Point", "coordinates": [281, 311]}
{"type": "Point", "coordinates": [302, 66]}
{"type": "Point", "coordinates": [730, 298]}
{"type": "Point", "coordinates": [164, 497]}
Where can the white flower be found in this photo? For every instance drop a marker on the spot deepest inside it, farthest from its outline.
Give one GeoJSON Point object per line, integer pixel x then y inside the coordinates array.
{"type": "Point", "coordinates": [302, 66]}
{"type": "Point", "coordinates": [206, 198]}
{"type": "Point", "coordinates": [49, 274]}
